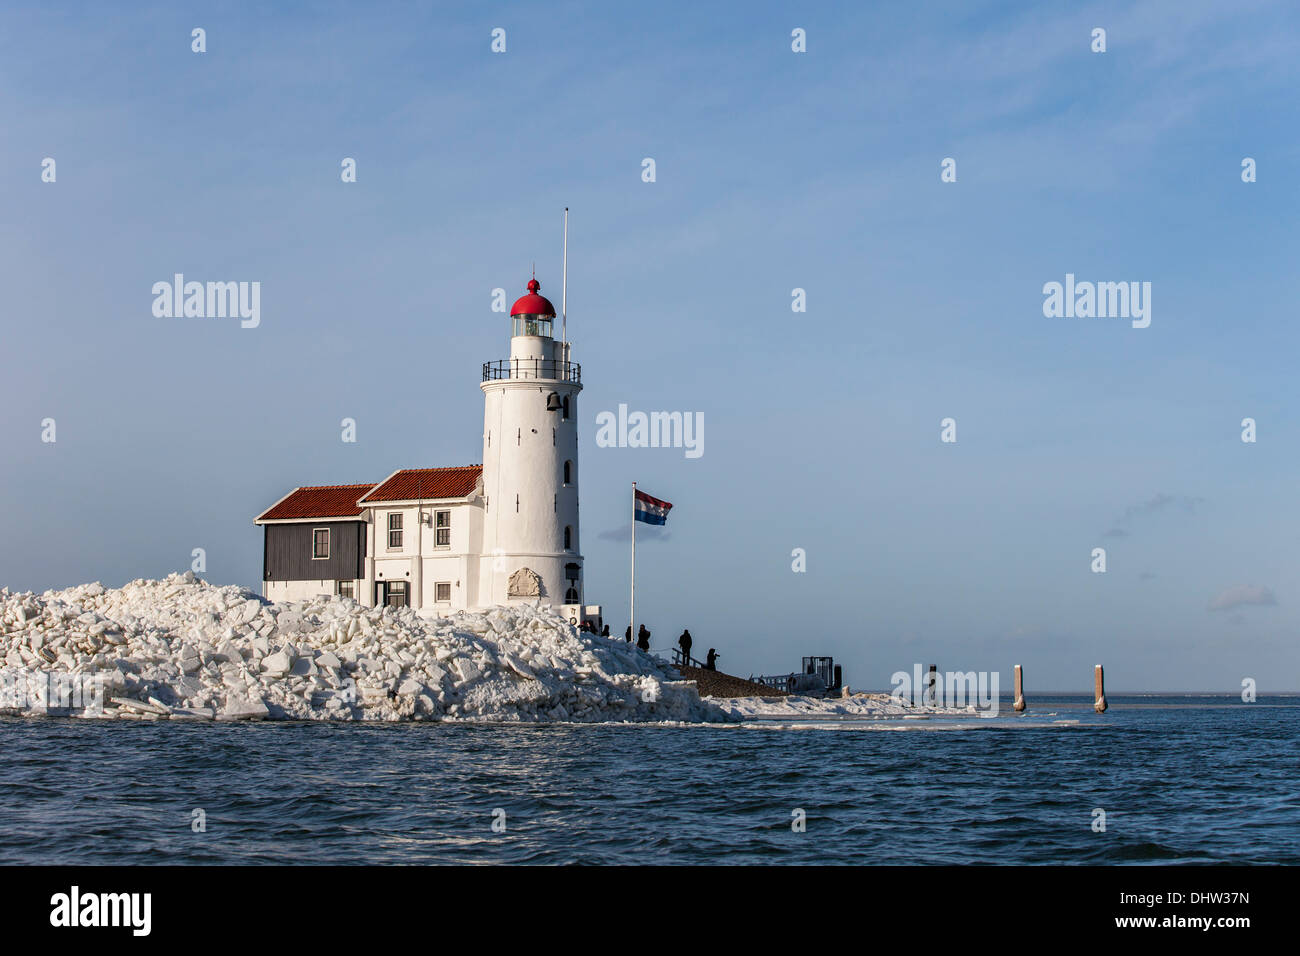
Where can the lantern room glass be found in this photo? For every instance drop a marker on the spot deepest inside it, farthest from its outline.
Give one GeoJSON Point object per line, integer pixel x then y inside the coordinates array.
{"type": "Point", "coordinates": [533, 325]}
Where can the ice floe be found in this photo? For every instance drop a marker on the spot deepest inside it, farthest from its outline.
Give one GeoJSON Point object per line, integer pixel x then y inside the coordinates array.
{"type": "Point", "coordinates": [181, 648]}
{"type": "Point", "coordinates": [831, 708]}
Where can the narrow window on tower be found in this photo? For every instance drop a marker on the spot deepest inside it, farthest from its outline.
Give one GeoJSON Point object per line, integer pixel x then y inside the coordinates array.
{"type": "Point", "coordinates": [568, 472]}
{"type": "Point", "coordinates": [566, 408]}
{"type": "Point", "coordinates": [518, 432]}
{"type": "Point", "coordinates": [555, 503]}
{"type": "Point", "coordinates": [489, 439]}
{"type": "Point", "coordinates": [568, 537]}
{"type": "Point", "coordinates": [516, 504]}
{"type": "Point", "coordinates": [552, 436]}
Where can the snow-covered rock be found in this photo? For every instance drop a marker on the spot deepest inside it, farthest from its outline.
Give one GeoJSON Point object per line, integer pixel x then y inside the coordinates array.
{"type": "Point", "coordinates": [183, 648]}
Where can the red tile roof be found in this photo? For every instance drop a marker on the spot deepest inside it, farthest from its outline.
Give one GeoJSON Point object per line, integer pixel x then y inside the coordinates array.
{"type": "Point", "coordinates": [321, 501]}
{"type": "Point", "coordinates": [413, 483]}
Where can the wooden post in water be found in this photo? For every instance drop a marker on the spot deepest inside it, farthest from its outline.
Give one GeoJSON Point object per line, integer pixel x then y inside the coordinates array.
{"type": "Point", "coordinates": [1099, 690]}
{"type": "Point", "coordinates": [1019, 705]}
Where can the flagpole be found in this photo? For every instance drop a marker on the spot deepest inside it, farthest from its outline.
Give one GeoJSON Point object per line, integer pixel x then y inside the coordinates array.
{"type": "Point", "coordinates": [564, 290]}
{"type": "Point", "coordinates": [631, 628]}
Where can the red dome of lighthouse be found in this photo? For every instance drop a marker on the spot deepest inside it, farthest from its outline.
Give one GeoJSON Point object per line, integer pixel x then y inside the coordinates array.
{"type": "Point", "coordinates": [533, 303]}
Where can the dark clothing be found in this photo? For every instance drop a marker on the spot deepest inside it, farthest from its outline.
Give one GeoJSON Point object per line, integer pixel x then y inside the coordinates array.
{"type": "Point", "coordinates": [605, 632]}
{"type": "Point", "coordinates": [685, 642]}
{"type": "Point", "coordinates": [627, 636]}
{"type": "Point", "coordinates": [711, 663]}
{"type": "Point", "coordinates": [643, 638]}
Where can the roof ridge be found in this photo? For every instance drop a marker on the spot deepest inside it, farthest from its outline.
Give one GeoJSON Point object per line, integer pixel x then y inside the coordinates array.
{"type": "Point", "coordinates": [356, 484]}
{"type": "Point", "coordinates": [443, 467]}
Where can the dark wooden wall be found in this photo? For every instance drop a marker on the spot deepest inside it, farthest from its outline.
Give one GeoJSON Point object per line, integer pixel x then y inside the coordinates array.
{"type": "Point", "coordinates": [287, 552]}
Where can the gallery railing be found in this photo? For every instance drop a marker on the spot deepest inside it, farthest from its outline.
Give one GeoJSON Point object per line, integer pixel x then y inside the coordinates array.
{"type": "Point", "coordinates": [547, 369]}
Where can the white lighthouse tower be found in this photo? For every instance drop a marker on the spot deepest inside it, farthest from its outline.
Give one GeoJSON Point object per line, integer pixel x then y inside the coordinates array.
{"type": "Point", "coordinates": [530, 467]}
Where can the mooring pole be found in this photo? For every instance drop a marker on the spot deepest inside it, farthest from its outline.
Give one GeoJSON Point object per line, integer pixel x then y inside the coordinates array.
{"type": "Point", "coordinates": [1099, 690]}
{"type": "Point", "coordinates": [1019, 705]}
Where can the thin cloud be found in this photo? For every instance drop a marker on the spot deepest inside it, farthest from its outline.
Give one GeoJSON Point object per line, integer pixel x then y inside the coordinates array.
{"type": "Point", "coordinates": [1153, 505]}
{"type": "Point", "coordinates": [645, 532]}
{"type": "Point", "coordinates": [1243, 594]}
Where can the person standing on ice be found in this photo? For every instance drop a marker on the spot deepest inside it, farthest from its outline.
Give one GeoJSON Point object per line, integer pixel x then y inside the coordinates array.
{"type": "Point", "coordinates": [643, 638]}
{"type": "Point", "coordinates": [627, 636]}
{"type": "Point", "coordinates": [711, 663]}
{"type": "Point", "coordinates": [605, 632]}
{"type": "Point", "coordinates": [685, 642]}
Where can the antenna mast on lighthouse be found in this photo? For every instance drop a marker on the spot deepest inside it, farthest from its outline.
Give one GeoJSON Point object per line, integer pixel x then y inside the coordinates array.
{"type": "Point", "coordinates": [564, 289]}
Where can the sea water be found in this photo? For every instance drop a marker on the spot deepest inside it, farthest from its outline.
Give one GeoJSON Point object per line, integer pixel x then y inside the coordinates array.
{"type": "Point", "coordinates": [1185, 779]}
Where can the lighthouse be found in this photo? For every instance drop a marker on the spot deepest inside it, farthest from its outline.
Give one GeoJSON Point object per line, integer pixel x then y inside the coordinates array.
{"type": "Point", "coordinates": [531, 549]}
{"type": "Point", "coordinates": [460, 536]}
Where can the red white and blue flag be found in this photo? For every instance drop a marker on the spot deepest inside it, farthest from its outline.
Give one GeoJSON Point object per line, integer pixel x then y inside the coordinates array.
{"type": "Point", "coordinates": [650, 510]}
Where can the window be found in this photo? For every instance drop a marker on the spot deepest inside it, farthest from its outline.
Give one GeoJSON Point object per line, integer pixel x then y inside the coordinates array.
{"type": "Point", "coordinates": [394, 530]}
{"type": "Point", "coordinates": [571, 596]}
{"type": "Point", "coordinates": [395, 594]}
{"type": "Point", "coordinates": [568, 537]}
{"type": "Point", "coordinates": [346, 589]}
{"type": "Point", "coordinates": [320, 544]}
{"type": "Point", "coordinates": [568, 472]}
{"type": "Point", "coordinates": [442, 529]}
{"type": "Point", "coordinates": [528, 324]}
{"type": "Point", "coordinates": [442, 592]}
{"type": "Point", "coordinates": [566, 408]}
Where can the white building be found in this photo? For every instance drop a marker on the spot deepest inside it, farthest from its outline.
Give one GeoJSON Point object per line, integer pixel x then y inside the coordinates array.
{"type": "Point", "coordinates": [470, 536]}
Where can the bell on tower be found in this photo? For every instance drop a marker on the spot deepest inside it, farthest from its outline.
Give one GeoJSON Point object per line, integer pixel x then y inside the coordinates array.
{"type": "Point", "coordinates": [533, 313]}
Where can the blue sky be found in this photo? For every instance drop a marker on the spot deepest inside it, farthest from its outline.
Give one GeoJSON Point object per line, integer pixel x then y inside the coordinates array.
{"type": "Point", "coordinates": [775, 170]}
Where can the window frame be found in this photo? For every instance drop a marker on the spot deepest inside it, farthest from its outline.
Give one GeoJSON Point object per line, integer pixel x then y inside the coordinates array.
{"type": "Point", "coordinates": [350, 585]}
{"type": "Point", "coordinates": [405, 592]}
{"type": "Point", "coordinates": [437, 585]}
{"type": "Point", "coordinates": [439, 529]}
{"type": "Point", "coordinates": [314, 555]}
{"type": "Point", "coordinates": [397, 530]}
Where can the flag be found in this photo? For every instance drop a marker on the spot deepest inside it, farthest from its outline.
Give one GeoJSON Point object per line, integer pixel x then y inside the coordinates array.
{"type": "Point", "coordinates": [651, 510]}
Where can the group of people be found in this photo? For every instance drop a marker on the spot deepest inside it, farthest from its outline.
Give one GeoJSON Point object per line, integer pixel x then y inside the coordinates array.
{"type": "Point", "coordinates": [642, 637]}
{"type": "Point", "coordinates": [685, 641]}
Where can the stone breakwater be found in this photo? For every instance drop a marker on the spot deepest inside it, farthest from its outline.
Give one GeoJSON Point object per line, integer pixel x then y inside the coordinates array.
{"type": "Point", "coordinates": [182, 648]}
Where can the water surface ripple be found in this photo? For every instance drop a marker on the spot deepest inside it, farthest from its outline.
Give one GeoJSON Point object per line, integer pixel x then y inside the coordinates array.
{"type": "Point", "coordinates": [1182, 780]}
